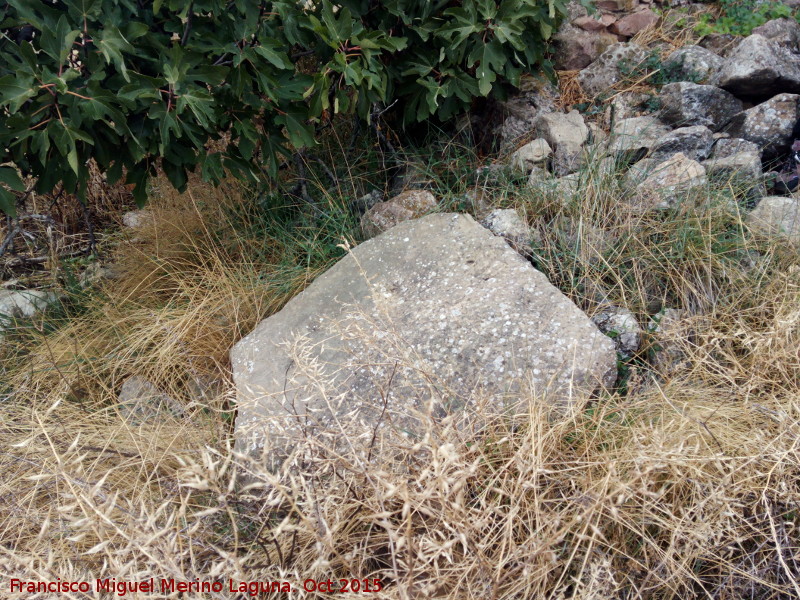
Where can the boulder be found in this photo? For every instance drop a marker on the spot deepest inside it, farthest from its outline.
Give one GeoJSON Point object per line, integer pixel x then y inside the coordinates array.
{"type": "Point", "coordinates": [693, 142]}
{"type": "Point", "coordinates": [759, 68]}
{"type": "Point", "coordinates": [769, 125]}
{"type": "Point", "coordinates": [621, 325]}
{"type": "Point", "coordinates": [594, 24]}
{"type": "Point", "coordinates": [628, 105]}
{"type": "Point", "coordinates": [408, 205]}
{"type": "Point", "coordinates": [660, 186]}
{"type": "Point", "coordinates": [603, 73]}
{"type": "Point", "coordinates": [693, 63]}
{"type": "Point", "coordinates": [567, 160]}
{"type": "Point", "coordinates": [636, 135]}
{"type": "Point", "coordinates": [576, 48]}
{"type": "Point", "coordinates": [633, 23]}
{"type": "Point", "coordinates": [531, 154]}
{"type": "Point", "coordinates": [684, 104]}
{"type": "Point", "coordinates": [784, 31]}
{"type": "Point", "coordinates": [777, 215]}
{"type": "Point", "coordinates": [730, 146]}
{"type": "Point", "coordinates": [434, 319]}
{"type": "Point", "coordinates": [506, 223]}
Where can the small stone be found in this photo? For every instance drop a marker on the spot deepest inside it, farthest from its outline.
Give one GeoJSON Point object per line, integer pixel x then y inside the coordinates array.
{"type": "Point", "coordinates": [759, 68]}
{"type": "Point", "coordinates": [636, 135]}
{"type": "Point", "coordinates": [602, 74]}
{"type": "Point", "coordinates": [576, 48]}
{"type": "Point", "coordinates": [667, 182]}
{"type": "Point", "coordinates": [631, 24]}
{"type": "Point", "coordinates": [730, 146]}
{"type": "Point", "coordinates": [743, 169]}
{"type": "Point", "coordinates": [408, 205]}
{"type": "Point", "coordinates": [622, 327]}
{"type": "Point", "coordinates": [777, 215]}
{"type": "Point", "coordinates": [140, 401]}
{"type": "Point", "coordinates": [134, 219]}
{"type": "Point", "coordinates": [507, 224]}
{"type": "Point", "coordinates": [531, 154]}
{"type": "Point", "coordinates": [693, 63]}
{"type": "Point", "coordinates": [694, 142]}
{"type": "Point", "coordinates": [684, 104]}
{"type": "Point", "coordinates": [769, 125]}
{"type": "Point", "coordinates": [566, 131]}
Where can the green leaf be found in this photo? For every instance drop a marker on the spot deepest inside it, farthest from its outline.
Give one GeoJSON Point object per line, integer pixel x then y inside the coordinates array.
{"type": "Point", "coordinates": [112, 44]}
{"type": "Point", "coordinates": [14, 91]}
{"type": "Point", "coordinates": [269, 49]}
{"type": "Point", "coordinates": [300, 133]}
{"type": "Point", "coordinates": [11, 178]}
{"type": "Point", "coordinates": [58, 43]}
{"type": "Point", "coordinates": [8, 203]}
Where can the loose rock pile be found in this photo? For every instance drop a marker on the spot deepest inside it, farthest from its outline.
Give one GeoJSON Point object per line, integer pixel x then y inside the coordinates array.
{"type": "Point", "coordinates": [734, 117]}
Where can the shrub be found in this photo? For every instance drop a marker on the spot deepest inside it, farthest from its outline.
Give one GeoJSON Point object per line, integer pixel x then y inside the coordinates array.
{"type": "Point", "coordinates": [135, 85]}
{"type": "Point", "coordinates": [740, 17]}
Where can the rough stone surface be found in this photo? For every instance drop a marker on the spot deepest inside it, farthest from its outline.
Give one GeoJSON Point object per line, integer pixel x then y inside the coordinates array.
{"type": "Point", "coordinates": [566, 131]}
{"type": "Point", "coordinates": [576, 48]}
{"type": "Point", "coordinates": [662, 185]}
{"type": "Point", "coordinates": [777, 215]}
{"type": "Point", "coordinates": [507, 223]}
{"type": "Point", "coordinates": [638, 134]}
{"type": "Point", "coordinates": [742, 169]}
{"type": "Point", "coordinates": [730, 146]}
{"type": "Point", "coordinates": [592, 24]}
{"type": "Point", "coordinates": [784, 32]}
{"type": "Point", "coordinates": [623, 327]}
{"type": "Point", "coordinates": [18, 304]}
{"type": "Point", "coordinates": [694, 142]}
{"type": "Point", "coordinates": [684, 104]}
{"type": "Point", "coordinates": [694, 63]}
{"type": "Point", "coordinates": [567, 160]}
{"type": "Point", "coordinates": [720, 43]}
{"type": "Point", "coordinates": [536, 96]}
{"type": "Point", "coordinates": [531, 154]}
{"type": "Point", "coordinates": [628, 105]}
{"type": "Point", "coordinates": [428, 318]}
{"type": "Point", "coordinates": [618, 5]}
{"type": "Point", "coordinates": [769, 125]}
{"type": "Point", "coordinates": [759, 67]}
{"type": "Point", "coordinates": [133, 219]}
{"type": "Point", "coordinates": [604, 72]}
{"type": "Point", "coordinates": [537, 176]}
{"type": "Point", "coordinates": [631, 24]}
{"type": "Point", "coordinates": [408, 205]}
{"type": "Point", "coordinates": [140, 401]}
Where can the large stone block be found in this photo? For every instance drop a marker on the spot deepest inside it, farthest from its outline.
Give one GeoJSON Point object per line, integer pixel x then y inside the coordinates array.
{"type": "Point", "coordinates": [426, 319]}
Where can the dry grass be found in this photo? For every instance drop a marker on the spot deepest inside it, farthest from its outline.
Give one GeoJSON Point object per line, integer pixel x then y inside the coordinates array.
{"type": "Point", "coordinates": [685, 487]}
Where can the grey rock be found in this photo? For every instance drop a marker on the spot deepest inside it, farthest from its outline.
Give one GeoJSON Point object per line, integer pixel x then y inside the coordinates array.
{"type": "Point", "coordinates": [506, 223]}
{"type": "Point", "coordinates": [730, 146]}
{"type": "Point", "coordinates": [769, 125]}
{"type": "Point", "coordinates": [603, 73]}
{"type": "Point", "coordinates": [140, 401]}
{"type": "Point", "coordinates": [742, 169]}
{"type": "Point", "coordinates": [638, 134]}
{"type": "Point", "coordinates": [426, 319]}
{"type": "Point", "coordinates": [621, 325]}
{"type": "Point", "coordinates": [694, 142]}
{"type": "Point", "coordinates": [777, 215]}
{"type": "Point", "coordinates": [134, 219]}
{"type": "Point", "coordinates": [662, 185]}
{"type": "Point", "coordinates": [536, 96]}
{"type": "Point", "coordinates": [537, 176]}
{"type": "Point", "coordinates": [576, 48]}
{"type": "Point", "coordinates": [563, 131]}
{"type": "Point", "coordinates": [408, 205]}
{"type": "Point", "coordinates": [784, 31]}
{"type": "Point", "coordinates": [530, 155]}
{"type": "Point", "coordinates": [759, 68]}
{"type": "Point", "coordinates": [693, 63]}
{"type": "Point", "coordinates": [684, 104]}
{"type": "Point", "coordinates": [721, 44]}
{"type": "Point", "coordinates": [628, 105]}
{"type": "Point", "coordinates": [18, 304]}
{"type": "Point", "coordinates": [364, 203]}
